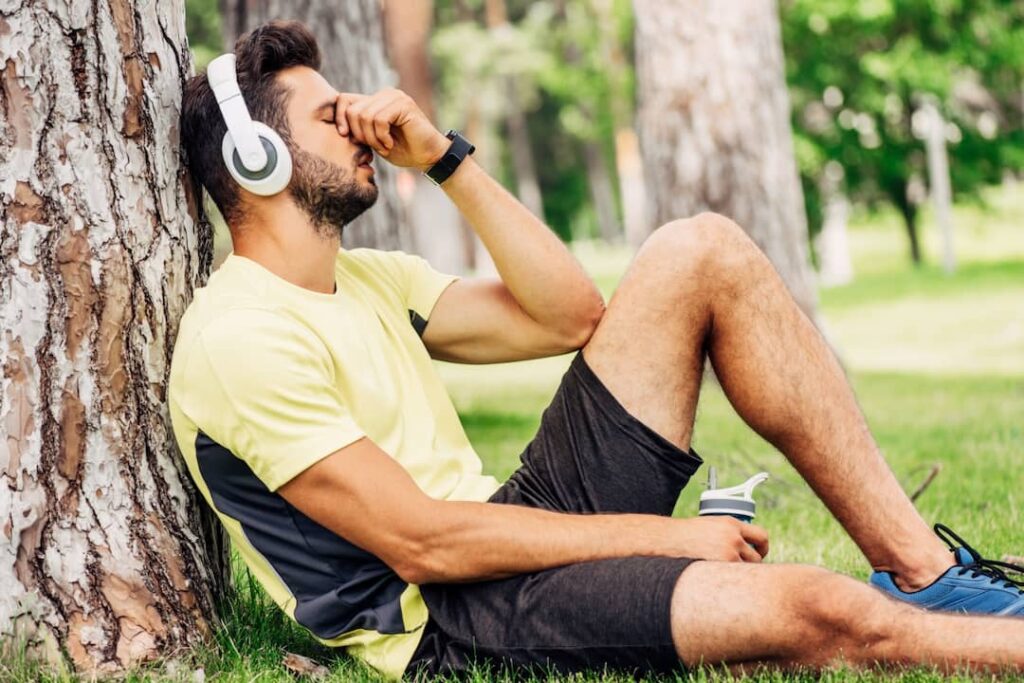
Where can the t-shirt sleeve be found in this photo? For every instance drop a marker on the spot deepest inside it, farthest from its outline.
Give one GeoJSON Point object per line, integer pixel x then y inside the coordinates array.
{"type": "Point", "coordinates": [271, 399]}
{"type": "Point", "coordinates": [420, 285]}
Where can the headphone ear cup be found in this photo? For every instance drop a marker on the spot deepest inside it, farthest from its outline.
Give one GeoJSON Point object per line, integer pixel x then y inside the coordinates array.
{"type": "Point", "coordinates": [272, 178]}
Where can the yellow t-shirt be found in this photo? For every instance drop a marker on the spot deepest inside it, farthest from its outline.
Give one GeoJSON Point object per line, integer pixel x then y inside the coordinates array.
{"type": "Point", "coordinates": [268, 378]}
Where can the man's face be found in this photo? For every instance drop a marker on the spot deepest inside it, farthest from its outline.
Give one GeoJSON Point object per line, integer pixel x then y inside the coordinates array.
{"type": "Point", "coordinates": [332, 179]}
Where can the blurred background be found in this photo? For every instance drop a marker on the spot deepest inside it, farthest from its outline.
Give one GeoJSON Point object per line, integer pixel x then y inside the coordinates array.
{"type": "Point", "coordinates": [873, 148]}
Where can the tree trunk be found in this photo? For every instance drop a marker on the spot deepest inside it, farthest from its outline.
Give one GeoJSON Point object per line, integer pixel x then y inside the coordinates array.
{"type": "Point", "coordinates": [939, 182]}
{"type": "Point", "coordinates": [527, 184]}
{"type": "Point", "coordinates": [632, 186]}
{"type": "Point", "coordinates": [909, 212]}
{"type": "Point", "coordinates": [351, 38]}
{"type": "Point", "coordinates": [902, 196]}
{"type": "Point", "coordinates": [835, 265]}
{"type": "Point", "coordinates": [480, 128]}
{"type": "Point", "coordinates": [107, 557]}
{"type": "Point", "coordinates": [714, 125]}
{"type": "Point", "coordinates": [602, 192]}
{"type": "Point", "coordinates": [436, 225]}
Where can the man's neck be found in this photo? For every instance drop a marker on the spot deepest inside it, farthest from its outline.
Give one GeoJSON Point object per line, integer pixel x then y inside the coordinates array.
{"type": "Point", "coordinates": [281, 238]}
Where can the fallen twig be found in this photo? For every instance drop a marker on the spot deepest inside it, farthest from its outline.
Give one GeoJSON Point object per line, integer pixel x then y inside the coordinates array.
{"type": "Point", "coordinates": [1014, 559]}
{"type": "Point", "coordinates": [932, 473]}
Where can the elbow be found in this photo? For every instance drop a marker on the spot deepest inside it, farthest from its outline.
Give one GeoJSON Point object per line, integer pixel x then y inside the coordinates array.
{"type": "Point", "coordinates": [585, 325]}
{"type": "Point", "coordinates": [421, 568]}
{"type": "Point", "coordinates": [411, 572]}
{"type": "Point", "coordinates": [419, 563]}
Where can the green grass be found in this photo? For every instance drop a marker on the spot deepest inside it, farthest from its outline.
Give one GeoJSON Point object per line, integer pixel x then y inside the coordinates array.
{"type": "Point", "coordinates": [938, 366]}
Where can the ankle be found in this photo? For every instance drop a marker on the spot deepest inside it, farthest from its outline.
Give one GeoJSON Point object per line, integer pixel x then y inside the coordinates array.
{"type": "Point", "coordinates": [923, 574]}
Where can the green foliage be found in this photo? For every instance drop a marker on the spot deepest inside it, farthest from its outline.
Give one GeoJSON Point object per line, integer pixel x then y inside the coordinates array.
{"type": "Point", "coordinates": [858, 69]}
{"type": "Point", "coordinates": [202, 23]}
{"type": "Point", "coordinates": [570, 64]}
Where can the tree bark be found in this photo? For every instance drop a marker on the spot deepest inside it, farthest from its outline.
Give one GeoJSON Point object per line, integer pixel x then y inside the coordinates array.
{"type": "Point", "coordinates": [107, 557]}
{"type": "Point", "coordinates": [351, 38]}
{"type": "Point", "coordinates": [714, 125]}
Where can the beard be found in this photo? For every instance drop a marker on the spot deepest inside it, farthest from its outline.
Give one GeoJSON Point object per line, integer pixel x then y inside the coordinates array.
{"type": "Point", "coordinates": [328, 193]}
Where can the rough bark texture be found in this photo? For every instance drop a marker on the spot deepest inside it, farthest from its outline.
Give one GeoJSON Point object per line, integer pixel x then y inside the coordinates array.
{"type": "Point", "coordinates": [106, 555]}
{"type": "Point", "coordinates": [714, 124]}
{"type": "Point", "coordinates": [351, 37]}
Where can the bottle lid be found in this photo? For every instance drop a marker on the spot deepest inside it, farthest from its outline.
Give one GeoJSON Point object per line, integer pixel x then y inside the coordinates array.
{"type": "Point", "coordinates": [735, 500]}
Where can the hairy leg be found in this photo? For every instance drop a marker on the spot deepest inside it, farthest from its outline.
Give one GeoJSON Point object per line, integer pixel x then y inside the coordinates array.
{"type": "Point", "coordinates": [789, 616]}
{"type": "Point", "coordinates": [700, 287]}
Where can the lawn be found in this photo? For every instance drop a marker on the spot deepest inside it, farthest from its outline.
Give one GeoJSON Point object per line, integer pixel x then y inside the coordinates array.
{"type": "Point", "coordinates": [938, 365]}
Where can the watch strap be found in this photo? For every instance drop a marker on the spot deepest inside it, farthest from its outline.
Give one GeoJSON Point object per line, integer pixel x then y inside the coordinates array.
{"type": "Point", "coordinates": [458, 150]}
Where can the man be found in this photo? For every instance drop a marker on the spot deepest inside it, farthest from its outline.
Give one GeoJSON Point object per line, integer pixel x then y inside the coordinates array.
{"type": "Point", "coordinates": [307, 408]}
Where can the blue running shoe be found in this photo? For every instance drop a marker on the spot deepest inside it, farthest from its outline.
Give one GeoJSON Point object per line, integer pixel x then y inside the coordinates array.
{"type": "Point", "coordinates": [973, 585]}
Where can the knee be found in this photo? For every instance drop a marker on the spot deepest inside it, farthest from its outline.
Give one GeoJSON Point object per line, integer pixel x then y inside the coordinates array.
{"type": "Point", "coordinates": [844, 619]}
{"type": "Point", "coordinates": [707, 241]}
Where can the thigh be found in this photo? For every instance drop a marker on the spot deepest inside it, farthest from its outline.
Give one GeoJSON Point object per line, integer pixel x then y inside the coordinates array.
{"type": "Point", "coordinates": [590, 455]}
{"type": "Point", "coordinates": [648, 349]}
{"type": "Point", "coordinates": [592, 615]}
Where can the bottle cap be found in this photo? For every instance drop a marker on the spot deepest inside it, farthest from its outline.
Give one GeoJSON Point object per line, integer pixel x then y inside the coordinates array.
{"type": "Point", "coordinates": [736, 500]}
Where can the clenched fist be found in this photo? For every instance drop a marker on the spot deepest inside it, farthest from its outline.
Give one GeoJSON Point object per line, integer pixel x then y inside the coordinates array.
{"type": "Point", "coordinates": [393, 125]}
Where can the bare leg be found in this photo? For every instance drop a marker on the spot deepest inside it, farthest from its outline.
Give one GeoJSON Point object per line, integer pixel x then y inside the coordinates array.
{"type": "Point", "coordinates": [701, 286]}
{"type": "Point", "coordinates": [799, 616]}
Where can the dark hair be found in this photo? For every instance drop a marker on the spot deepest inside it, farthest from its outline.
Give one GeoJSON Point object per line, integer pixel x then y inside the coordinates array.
{"type": "Point", "coordinates": [259, 55]}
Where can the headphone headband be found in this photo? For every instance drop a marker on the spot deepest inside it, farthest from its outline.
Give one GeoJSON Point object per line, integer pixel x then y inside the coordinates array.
{"type": "Point", "coordinates": [224, 82]}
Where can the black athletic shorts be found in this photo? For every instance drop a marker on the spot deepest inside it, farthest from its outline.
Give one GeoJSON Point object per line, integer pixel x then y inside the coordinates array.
{"type": "Point", "coordinates": [589, 456]}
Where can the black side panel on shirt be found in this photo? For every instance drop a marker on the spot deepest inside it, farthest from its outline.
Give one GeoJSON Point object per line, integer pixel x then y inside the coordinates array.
{"type": "Point", "coordinates": [419, 323]}
{"type": "Point", "coordinates": [338, 587]}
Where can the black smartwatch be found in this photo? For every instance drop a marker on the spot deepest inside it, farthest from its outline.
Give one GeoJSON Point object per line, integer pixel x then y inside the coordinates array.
{"type": "Point", "coordinates": [446, 165]}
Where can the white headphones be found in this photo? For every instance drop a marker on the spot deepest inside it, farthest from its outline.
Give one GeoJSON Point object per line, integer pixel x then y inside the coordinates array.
{"type": "Point", "coordinates": [255, 155]}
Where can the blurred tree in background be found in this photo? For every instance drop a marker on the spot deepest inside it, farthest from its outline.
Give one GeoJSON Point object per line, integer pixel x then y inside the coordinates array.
{"type": "Point", "coordinates": [569, 63]}
{"type": "Point", "coordinates": [714, 126]}
{"type": "Point", "coordinates": [857, 71]}
{"type": "Point", "coordinates": [438, 232]}
{"type": "Point", "coordinates": [546, 89]}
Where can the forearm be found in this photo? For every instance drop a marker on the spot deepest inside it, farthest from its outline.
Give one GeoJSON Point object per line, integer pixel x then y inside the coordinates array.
{"type": "Point", "coordinates": [478, 541]}
{"type": "Point", "coordinates": [540, 272]}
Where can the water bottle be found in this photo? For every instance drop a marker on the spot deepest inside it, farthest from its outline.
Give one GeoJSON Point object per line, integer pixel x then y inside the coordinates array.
{"type": "Point", "coordinates": [736, 501]}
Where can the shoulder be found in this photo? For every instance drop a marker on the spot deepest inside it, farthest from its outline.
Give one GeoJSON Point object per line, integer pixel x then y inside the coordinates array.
{"type": "Point", "coordinates": [392, 262]}
{"type": "Point", "coordinates": [245, 345]}
{"type": "Point", "coordinates": [249, 334]}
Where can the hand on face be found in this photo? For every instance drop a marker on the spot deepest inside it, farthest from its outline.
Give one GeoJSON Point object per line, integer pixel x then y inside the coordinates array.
{"type": "Point", "coordinates": [392, 125]}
